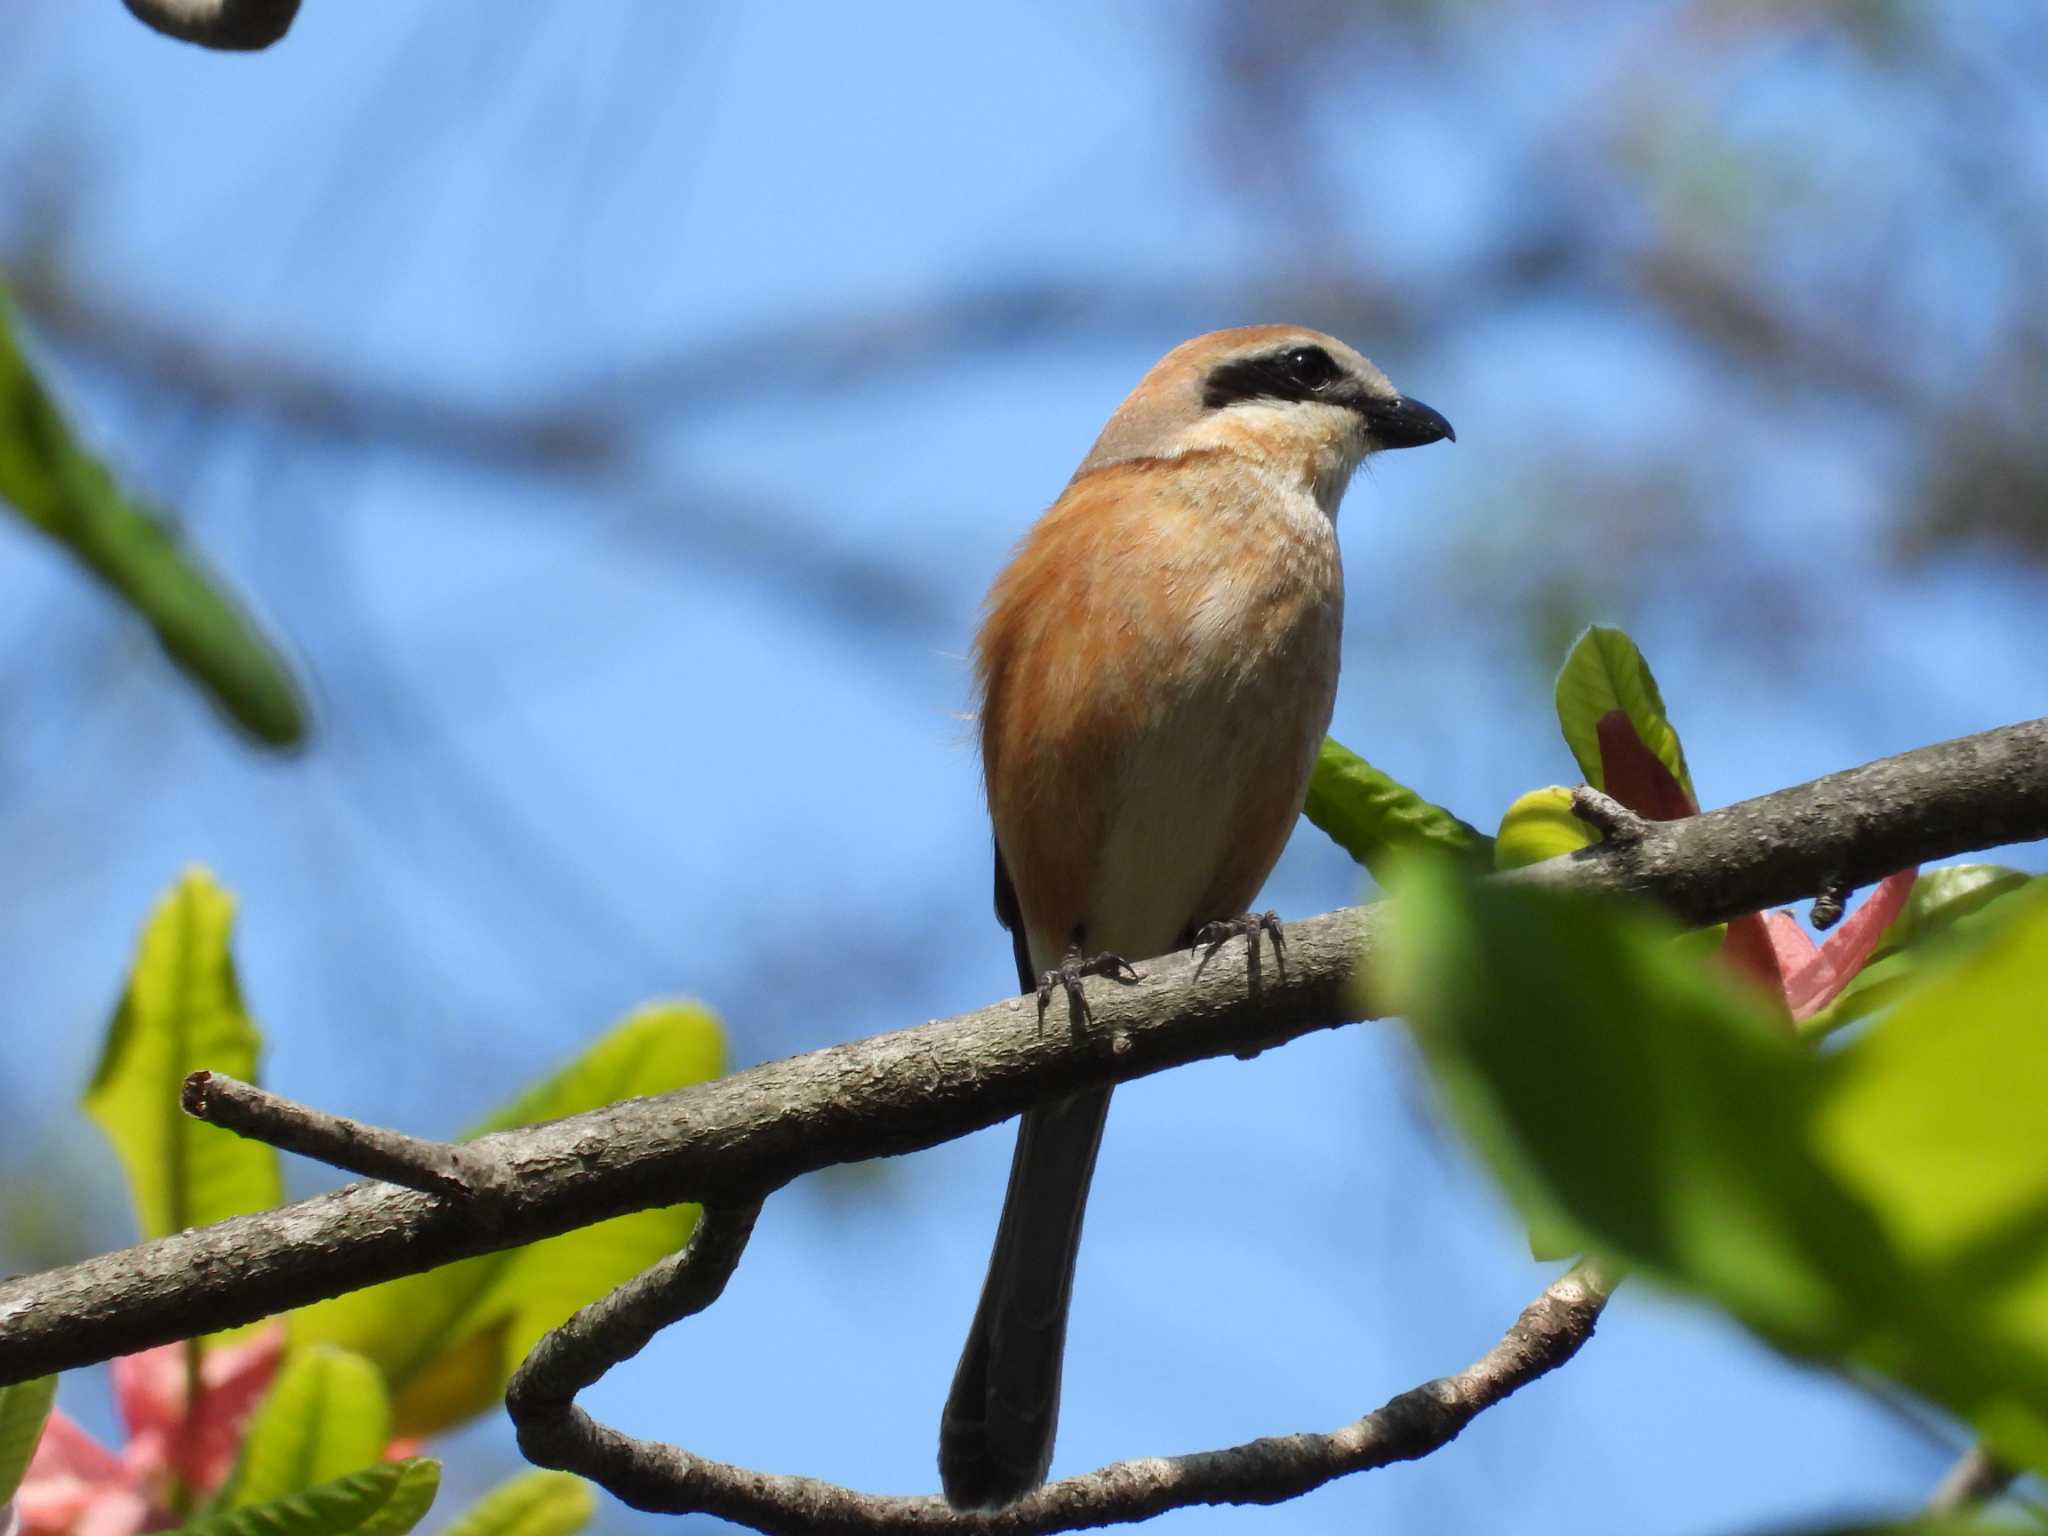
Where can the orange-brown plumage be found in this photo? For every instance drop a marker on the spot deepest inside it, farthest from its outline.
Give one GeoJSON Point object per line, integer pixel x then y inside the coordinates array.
{"type": "Point", "coordinates": [1157, 666]}
{"type": "Point", "coordinates": [1102, 636]}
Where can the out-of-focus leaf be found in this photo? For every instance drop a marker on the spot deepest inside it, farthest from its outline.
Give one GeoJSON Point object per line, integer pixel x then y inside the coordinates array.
{"type": "Point", "coordinates": [1886, 1206]}
{"type": "Point", "coordinates": [182, 1010]}
{"type": "Point", "coordinates": [1374, 817]}
{"type": "Point", "coordinates": [448, 1340]}
{"type": "Point", "coordinates": [1944, 895]}
{"type": "Point", "coordinates": [1538, 826]}
{"type": "Point", "coordinates": [1606, 672]}
{"type": "Point", "coordinates": [384, 1500]}
{"type": "Point", "coordinates": [23, 1408]}
{"type": "Point", "coordinates": [1934, 1118]}
{"type": "Point", "coordinates": [326, 1414]}
{"type": "Point", "coordinates": [1622, 1093]}
{"type": "Point", "coordinates": [532, 1504]}
{"type": "Point", "coordinates": [59, 488]}
{"type": "Point", "coordinates": [418, 1481]}
{"type": "Point", "coordinates": [1760, 948]}
{"type": "Point", "coordinates": [1951, 906]}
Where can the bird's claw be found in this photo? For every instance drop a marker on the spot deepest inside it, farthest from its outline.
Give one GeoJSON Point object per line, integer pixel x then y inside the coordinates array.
{"type": "Point", "coordinates": [1069, 975]}
{"type": "Point", "coordinates": [1210, 936]}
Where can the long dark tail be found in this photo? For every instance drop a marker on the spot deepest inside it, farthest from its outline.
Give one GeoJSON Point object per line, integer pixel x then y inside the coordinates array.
{"type": "Point", "coordinates": [995, 1438]}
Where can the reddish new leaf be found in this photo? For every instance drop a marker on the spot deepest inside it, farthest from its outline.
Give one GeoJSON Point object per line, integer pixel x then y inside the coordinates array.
{"type": "Point", "coordinates": [1754, 947]}
{"type": "Point", "coordinates": [1634, 774]}
{"type": "Point", "coordinates": [1848, 948]}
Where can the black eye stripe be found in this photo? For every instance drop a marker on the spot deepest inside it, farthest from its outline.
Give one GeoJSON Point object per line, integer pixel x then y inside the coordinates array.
{"type": "Point", "coordinates": [1292, 373]}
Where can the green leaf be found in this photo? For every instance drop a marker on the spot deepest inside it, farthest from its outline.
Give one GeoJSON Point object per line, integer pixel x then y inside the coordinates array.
{"type": "Point", "coordinates": [63, 491]}
{"type": "Point", "coordinates": [182, 1010]}
{"type": "Point", "coordinates": [448, 1340]}
{"type": "Point", "coordinates": [1606, 672]}
{"type": "Point", "coordinates": [1884, 1206]}
{"type": "Point", "coordinates": [419, 1480]}
{"type": "Point", "coordinates": [1952, 906]}
{"type": "Point", "coordinates": [531, 1504]}
{"type": "Point", "coordinates": [1538, 826]}
{"type": "Point", "coordinates": [1935, 1119]}
{"type": "Point", "coordinates": [1372, 816]}
{"type": "Point", "coordinates": [384, 1500]}
{"type": "Point", "coordinates": [23, 1409]}
{"type": "Point", "coordinates": [1620, 1092]}
{"type": "Point", "coordinates": [326, 1414]}
{"type": "Point", "coordinates": [1945, 895]}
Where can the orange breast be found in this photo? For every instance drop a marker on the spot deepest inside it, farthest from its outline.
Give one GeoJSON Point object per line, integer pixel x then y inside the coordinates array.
{"type": "Point", "coordinates": [1157, 664]}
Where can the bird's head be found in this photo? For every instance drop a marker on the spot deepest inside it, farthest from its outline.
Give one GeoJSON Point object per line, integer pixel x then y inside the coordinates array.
{"type": "Point", "coordinates": [1287, 396]}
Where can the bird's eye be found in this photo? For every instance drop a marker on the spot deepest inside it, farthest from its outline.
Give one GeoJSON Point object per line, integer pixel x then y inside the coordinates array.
{"type": "Point", "coordinates": [1311, 367]}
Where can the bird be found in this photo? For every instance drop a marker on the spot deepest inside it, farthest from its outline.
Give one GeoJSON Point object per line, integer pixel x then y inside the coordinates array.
{"type": "Point", "coordinates": [1156, 669]}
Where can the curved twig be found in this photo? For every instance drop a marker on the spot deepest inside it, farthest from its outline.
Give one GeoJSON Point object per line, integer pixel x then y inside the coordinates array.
{"type": "Point", "coordinates": [554, 1432]}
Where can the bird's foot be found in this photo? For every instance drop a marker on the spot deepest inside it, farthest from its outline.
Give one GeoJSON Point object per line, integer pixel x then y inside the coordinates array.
{"type": "Point", "coordinates": [1210, 937]}
{"type": "Point", "coordinates": [1071, 972]}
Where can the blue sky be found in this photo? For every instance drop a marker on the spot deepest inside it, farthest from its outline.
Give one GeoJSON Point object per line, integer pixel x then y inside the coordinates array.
{"type": "Point", "coordinates": [693, 724]}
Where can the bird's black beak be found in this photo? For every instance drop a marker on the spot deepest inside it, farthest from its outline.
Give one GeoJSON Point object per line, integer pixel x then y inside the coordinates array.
{"type": "Point", "coordinates": [1403, 423]}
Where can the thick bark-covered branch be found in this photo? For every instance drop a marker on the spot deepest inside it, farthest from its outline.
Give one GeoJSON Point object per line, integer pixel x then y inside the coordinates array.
{"type": "Point", "coordinates": [733, 1141]}
{"type": "Point", "coordinates": [237, 25]}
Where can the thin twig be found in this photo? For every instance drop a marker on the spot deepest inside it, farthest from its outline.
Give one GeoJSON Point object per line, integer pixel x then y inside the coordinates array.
{"type": "Point", "coordinates": [1976, 1478]}
{"type": "Point", "coordinates": [432, 1167]}
{"type": "Point", "coordinates": [1617, 823]}
{"type": "Point", "coordinates": [666, 1479]}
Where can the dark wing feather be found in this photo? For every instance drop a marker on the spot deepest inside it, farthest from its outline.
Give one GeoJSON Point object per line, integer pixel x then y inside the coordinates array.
{"type": "Point", "coordinates": [1011, 916]}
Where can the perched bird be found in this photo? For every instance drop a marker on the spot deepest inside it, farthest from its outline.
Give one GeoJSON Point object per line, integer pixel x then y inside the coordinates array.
{"type": "Point", "coordinates": [1157, 666]}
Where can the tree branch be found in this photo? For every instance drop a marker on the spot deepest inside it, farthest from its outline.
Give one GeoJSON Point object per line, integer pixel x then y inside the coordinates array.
{"type": "Point", "coordinates": [432, 1167]}
{"type": "Point", "coordinates": [666, 1479]}
{"type": "Point", "coordinates": [733, 1141]}
{"type": "Point", "coordinates": [236, 25]}
{"type": "Point", "coordinates": [1977, 1478]}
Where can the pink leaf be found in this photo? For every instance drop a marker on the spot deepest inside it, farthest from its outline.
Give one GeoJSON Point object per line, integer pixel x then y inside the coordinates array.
{"type": "Point", "coordinates": [1848, 948]}
{"type": "Point", "coordinates": [1757, 948]}
{"type": "Point", "coordinates": [74, 1486]}
{"type": "Point", "coordinates": [195, 1443]}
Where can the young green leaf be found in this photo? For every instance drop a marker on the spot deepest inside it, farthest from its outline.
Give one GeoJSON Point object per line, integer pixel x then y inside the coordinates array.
{"type": "Point", "coordinates": [1606, 672]}
{"type": "Point", "coordinates": [448, 1340]}
{"type": "Point", "coordinates": [1886, 1206]}
{"type": "Point", "coordinates": [326, 1414]}
{"type": "Point", "coordinates": [182, 1010]}
{"type": "Point", "coordinates": [1621, 1092]}
{"type": "Point", "coordinates": [1934, 1118]}
{"type": "Point", "coordinates": [1945, 895]}
{"type": "Point", "coordinates": [63, 491]}
{"type": "Point", "coordinates": [23, 1408]}
{"type": "Point", "coordinates": [419, 1479]}
{"type": "Point", "coordinates": [1538, 826]}
{"type": "Point", "coordinates": [385, 1500]}
{"type": "Point", "coordinates": [1373, 816]}
{"type": "Point", "coordinates": [532, 1504]}
{"type": "Point", "coordinates": [1951, 908]}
